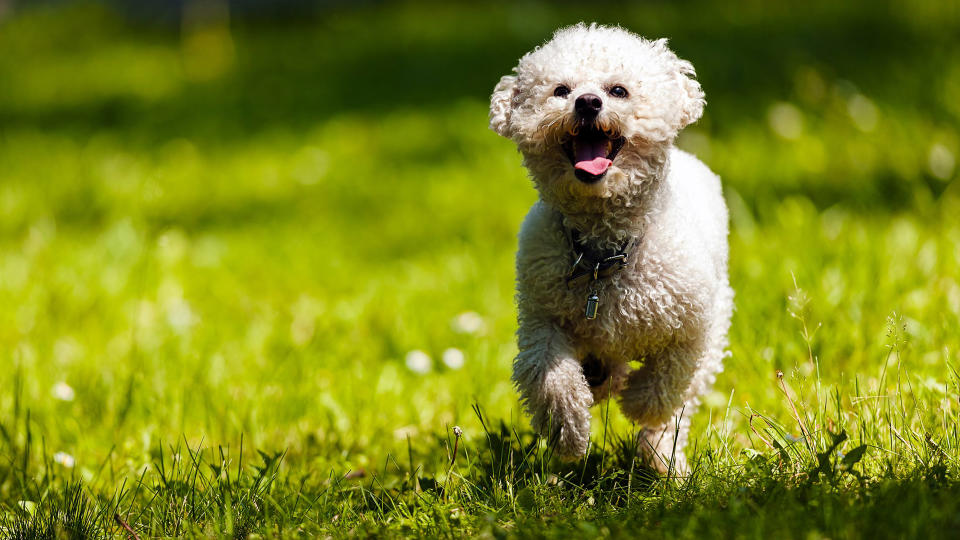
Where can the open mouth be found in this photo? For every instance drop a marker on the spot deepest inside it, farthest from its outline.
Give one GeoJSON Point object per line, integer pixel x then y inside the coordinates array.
{"type": "Point", "coordinates": [591, 151]}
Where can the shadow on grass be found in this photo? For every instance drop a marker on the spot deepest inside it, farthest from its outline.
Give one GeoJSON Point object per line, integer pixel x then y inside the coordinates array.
{"type": "Point", "coordinates": [292, 74]}
{"type": "Point", "coordinates": [519, 463]}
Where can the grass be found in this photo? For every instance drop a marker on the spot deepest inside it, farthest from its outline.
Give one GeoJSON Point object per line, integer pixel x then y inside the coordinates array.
{"type": "Point", "coordinates": [219, 248]}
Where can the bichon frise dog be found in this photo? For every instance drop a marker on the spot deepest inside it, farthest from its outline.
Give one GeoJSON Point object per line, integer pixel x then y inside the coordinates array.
{"type": "Point", "coordinates": [622, 284]}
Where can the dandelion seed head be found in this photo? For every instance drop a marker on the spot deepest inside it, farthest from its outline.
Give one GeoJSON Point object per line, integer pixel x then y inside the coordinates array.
{"type": "Point", "coordinates": [941, 162]}
{"type": "Point", "coordinates": [419, 362]}
{"type": "Point", "coordinates": [453, 358]}
{"type": "Point", "coordinates": [180, 316]}
{"type": "Point", "coordinates": [468, 322]}
{"type": "Point", "coordinates": [786, 120]}
{"type": "Point", "coordinates": [63, 391]}
{"type": "Point", "coordinates": [863, 112]}
{"type": "Point", "coordinates": [64, 459]}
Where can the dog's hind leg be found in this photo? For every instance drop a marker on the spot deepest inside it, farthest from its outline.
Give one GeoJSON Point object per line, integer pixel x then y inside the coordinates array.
{"type": "Point", "coordinates": [553, 387]}
{"type": "Point", "coordinates": [663, 446]}
{"type": "Point", "coordinates": [661, 396]}
{"type": "Point", "coordinates": [658, 390]}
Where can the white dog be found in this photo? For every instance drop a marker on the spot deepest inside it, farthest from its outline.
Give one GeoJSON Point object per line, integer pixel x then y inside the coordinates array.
{"type": "Point", "coordinates": [622, 285]}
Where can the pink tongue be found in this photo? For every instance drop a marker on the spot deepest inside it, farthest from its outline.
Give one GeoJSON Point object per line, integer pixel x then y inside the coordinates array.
{"type": "Point", "coordinates": [595, 166]}
{"type": "Point", "coordinates": [592, 157]}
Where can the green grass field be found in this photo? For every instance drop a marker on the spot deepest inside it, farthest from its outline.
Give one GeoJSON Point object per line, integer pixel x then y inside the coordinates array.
{"type": "Point", "coordinates": [252, 275]}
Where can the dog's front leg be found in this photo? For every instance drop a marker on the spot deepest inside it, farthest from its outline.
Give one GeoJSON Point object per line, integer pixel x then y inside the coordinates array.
{"type": "Point", "coordinates": [553, 388]}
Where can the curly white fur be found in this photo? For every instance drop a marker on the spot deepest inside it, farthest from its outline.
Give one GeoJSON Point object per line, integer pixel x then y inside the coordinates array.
{"type": "Point", "coordinates": [670, 307]}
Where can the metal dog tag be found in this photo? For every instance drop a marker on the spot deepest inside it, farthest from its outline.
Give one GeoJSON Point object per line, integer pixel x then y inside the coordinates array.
{"type": "Point", "coordinates": [593, 301]}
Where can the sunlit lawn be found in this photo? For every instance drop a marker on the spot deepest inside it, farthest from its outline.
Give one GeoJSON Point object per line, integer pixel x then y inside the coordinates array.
{"type": "Point", "coordinates": [255, 244]}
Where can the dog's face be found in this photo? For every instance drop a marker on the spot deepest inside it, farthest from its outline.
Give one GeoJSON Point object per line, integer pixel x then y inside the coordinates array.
{"type": "Point", "coordinates": [591, 108]}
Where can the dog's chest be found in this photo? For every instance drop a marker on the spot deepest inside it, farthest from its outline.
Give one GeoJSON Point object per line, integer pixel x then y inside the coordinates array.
{"type": "Point", "coordinates": [639, 309]}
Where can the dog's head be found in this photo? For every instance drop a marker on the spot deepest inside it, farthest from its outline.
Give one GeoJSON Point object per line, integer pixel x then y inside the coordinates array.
{"type": "Point", "coordinates": [590, 109]}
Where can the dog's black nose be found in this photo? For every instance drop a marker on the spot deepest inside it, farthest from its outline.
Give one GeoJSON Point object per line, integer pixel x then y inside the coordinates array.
{"type": "Point", "coordinates": [588, 105]}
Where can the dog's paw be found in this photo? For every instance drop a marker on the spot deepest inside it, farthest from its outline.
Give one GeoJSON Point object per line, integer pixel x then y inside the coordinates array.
{"type": "Point", "coordinates": [572, 441]}
{"type": "Point", "coordinates": [567, 431]}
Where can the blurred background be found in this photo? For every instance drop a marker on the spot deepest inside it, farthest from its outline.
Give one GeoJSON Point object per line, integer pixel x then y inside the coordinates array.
{"type": "Point", "coordinates": [289, 220]}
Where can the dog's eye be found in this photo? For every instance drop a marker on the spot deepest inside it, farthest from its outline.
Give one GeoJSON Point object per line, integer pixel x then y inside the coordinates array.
{"type": "Point", "coordinates": [561, 91]}
{"type": "Point", "coordinates": [618, 92]}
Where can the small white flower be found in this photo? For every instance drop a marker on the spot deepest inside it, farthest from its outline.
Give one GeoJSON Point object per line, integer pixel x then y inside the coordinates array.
{"type": "Point", "coordinates": [64, 459]}
{"type": "Point", "coordinates": [863, 112]}
{"type": "Point", "coordinates": [180, 316]}
{"type": "Point", "coordinates": [786, 120]}
{"type": "Point", "coordinates": [453, 358]}
{"type": "Point", "coordinates": [468, 322]}
{"type": "Point", "coordinates": [941, 162]}
{"type": "Point", "coordinates": [63, 391]}
{"type": "Point", "coordinates": [419, 361]}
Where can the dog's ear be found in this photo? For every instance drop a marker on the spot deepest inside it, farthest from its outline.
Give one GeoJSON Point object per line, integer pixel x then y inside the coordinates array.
{"type": "Point", "coordinates": [501, 105]}
{"type": "Point", "coordinates": [692, 100]}
{"type": "Point", "coordinates": [686, 105]}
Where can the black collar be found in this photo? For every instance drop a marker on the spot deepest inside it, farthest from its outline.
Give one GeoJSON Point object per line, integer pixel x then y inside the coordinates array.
{"type": "Point", "coordinates": [590, 264]}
